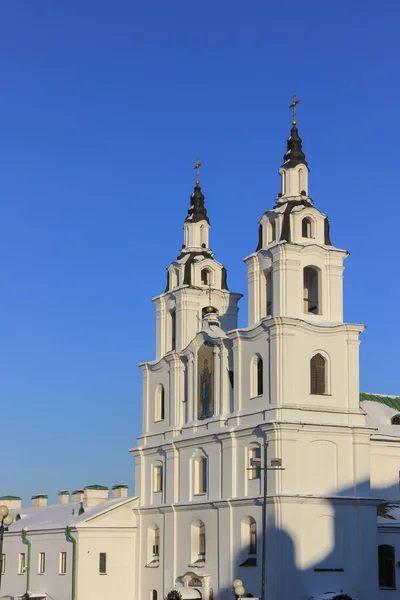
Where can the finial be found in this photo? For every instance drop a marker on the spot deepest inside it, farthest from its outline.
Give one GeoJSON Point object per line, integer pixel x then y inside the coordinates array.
{"type": "Point", "coordinates": [293, 107]}
{"type": "Point", "coordinates": [197, 168]}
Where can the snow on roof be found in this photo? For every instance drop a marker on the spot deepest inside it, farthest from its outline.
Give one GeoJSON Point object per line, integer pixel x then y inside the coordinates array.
{"type": "Point", "coordinates": [379, 417]}
{"type": "Point", "coordinates": [58, 516]}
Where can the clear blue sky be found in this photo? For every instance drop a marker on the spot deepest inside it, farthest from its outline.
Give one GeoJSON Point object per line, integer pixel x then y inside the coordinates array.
{"type": "Point", "coordinates": [104, 107]}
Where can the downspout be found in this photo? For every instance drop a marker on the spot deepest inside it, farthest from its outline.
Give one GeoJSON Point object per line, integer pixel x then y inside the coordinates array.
{"type": "Point", "coordinates": [28, 567]}
{"type": "Point", "coordinates": [70, 538]}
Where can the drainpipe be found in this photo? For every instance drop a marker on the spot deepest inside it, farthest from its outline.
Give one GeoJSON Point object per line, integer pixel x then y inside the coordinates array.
{"type": "Point", "coordinates": [28, 566]}
{"type": "Point", "coordinates": [70, 538]}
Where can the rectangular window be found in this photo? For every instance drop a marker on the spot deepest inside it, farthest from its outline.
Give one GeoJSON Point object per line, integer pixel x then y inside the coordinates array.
{"type": "Point", "coordinates": [42, 563]}
{"type": "Point", "coordinates": [3, 564]}
{"type": "Point", "coordinates": [158, 478]}
{"type": "Point", "coordinates": [63, 563]}
{"type": "Point", "coordinates": [202, 476]}
{"type": "Point", "coordinates": [255, 463]}
{"type": "Point", "coordinates": [202, 542]}
{"type": "Point", "coordinates": [156, 544]}
{"type": "Point", "coordinates": [102, 563]}
{"type": "Point", "coordinates": [21, 563]}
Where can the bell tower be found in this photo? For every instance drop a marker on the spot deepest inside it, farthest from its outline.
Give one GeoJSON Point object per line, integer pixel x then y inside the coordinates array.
{"type": "Point", "coordinates": [192, 278]}
{"type": "Point", "coordinates": [295, 270]}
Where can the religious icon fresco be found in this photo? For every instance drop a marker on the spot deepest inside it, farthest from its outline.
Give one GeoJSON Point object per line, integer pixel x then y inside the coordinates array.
{"type": "Point", "coordinates": [205, 387]}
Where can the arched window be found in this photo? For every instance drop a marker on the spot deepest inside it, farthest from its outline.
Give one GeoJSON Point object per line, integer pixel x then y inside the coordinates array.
{"type": "Point", "coordinates": [201, 475]}
{"type": "Point", "coordinates": [395, 420]}
{"type": "Point", "coordinates": [253, 537]}
{"type": "Point", "coordinates": [311, 292]}
{"type": "Point", "coordinates": [306, 228]}
{"type": "Point", "coordinates": [153, 595]}
{"type": "Point", "coordinates": [318, 374]}
{"type": "Point", "coordinates": [205, 277]}
{"type": "Point", "coordinates": [254, 468]}
{"type": "Point", "coordinates": [386, 563]}
{"type": "Point", "coordinates": [268, 283]}
{"type": "Point", "coordinates": [160, 403]}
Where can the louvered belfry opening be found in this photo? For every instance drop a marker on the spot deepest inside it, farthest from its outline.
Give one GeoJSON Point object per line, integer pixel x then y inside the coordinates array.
{"type": "Point", "coordinates": [318, 374]}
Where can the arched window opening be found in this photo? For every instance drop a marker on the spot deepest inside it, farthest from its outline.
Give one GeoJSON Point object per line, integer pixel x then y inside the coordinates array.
{"type": "Point", "coordinates": [202, 542]}
{"type": "Point", "coordinates": [160, 403]}
{"type": "Point", "coordinates": [318, 374]}
{"type": "Point", "coordinates": [396, 420]}
{"type": "Point", "coordinates": [273, 231]}
{"type": "Point", "coordinates": [201, 476]}
{"type": "Point", "coordinates": [153, 595]}
{"type": "Point", "coordinates": [173, 328]}
{"type": "Point", "coordinates": [269, 290]}
{"type": "Point", "coordinates": [311, 292]}
{"type": "Point", "coordinates": [253, 538]}
{"type": "Point", "coordinates": [205, 277]}
{"type": "Point", "coordinates": [306, 228]}
{"type": "Point", "coordinates": [386, 564]}
{"type": "Point", "coordinates": [254, 468]}
{"type": "Point", "coordinates": [158, 478]}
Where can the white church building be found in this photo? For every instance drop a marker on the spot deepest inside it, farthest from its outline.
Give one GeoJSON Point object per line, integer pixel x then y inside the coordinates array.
{"type": "Point", "coordinates": [213, 398]}
{"type": "Point", "coordinates": [216, 394]}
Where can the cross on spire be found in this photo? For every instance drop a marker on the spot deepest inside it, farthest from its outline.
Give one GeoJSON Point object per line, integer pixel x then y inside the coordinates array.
{"type": "Point", "coordinates": [293, 107]}
{"type": "Point", "coordinates": [197, 169]}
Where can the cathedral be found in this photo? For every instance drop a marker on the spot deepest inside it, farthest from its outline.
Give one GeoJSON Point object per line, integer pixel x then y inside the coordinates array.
{"type": "Point", "coordinates": [278, 401]}
{"type": "Point", "coordinates": [261, 470]}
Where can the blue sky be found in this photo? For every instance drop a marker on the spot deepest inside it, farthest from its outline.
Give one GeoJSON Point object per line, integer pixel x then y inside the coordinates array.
{"type": "Point", "coordinates": [104, 107]}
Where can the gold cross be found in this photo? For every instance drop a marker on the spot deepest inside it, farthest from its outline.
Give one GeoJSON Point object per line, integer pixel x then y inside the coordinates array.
{"type": "Point", "coordinates": [197, 168]}
{"type": "Point", "coordinates": [293, 106]}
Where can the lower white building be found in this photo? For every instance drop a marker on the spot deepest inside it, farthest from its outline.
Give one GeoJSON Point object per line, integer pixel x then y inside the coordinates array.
{"type": "Point", "coordinates": [215, 399]}
{"type": "Point", "coordinates": [83, 548]}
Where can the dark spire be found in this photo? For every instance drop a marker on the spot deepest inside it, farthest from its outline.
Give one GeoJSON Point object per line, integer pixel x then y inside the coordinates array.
{"type": "Point", "coordinates": [197, 211]}
{"type": "Point", "coordinates": [294, 154]}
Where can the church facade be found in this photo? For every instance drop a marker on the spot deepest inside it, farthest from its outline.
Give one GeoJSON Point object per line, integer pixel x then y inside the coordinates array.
{"type": "Point", "coordinates": [216, 395]}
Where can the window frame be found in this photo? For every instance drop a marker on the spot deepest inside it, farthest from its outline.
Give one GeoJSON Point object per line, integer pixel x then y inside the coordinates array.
{"type": "Point", "coordinates": [309, 302]}
{"type": "Point", "coordinates": [201, 541]}
{"type": "Point", "coordinates": [21, 563]}
{"type": "Point", "coordinates": [254, 453]}
{"type": "Point", "coordinates": [307, 224]}
{"type": "Point", "coordinates": [102, 563]}
{"type": "Point", "coordinates": [62, 564]}
{"type": "Point", "coordinates": [385, 563]}
{"type": "Point", "coordinates": [158, 474]}
{"type": "Point", "coordinates": [41, 563]}
{"type": "Point", "coordinates": [3, 563]}
{"type": "Point", "coordinates": [202, 475]}
{"type": "Point", "coordinates": [253, 538]}
{"type": "Point", "coordinates": [318, 375]}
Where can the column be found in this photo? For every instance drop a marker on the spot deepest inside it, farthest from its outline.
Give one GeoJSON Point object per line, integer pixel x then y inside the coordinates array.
{"type": "Point", "coordinates": [217, 371]}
